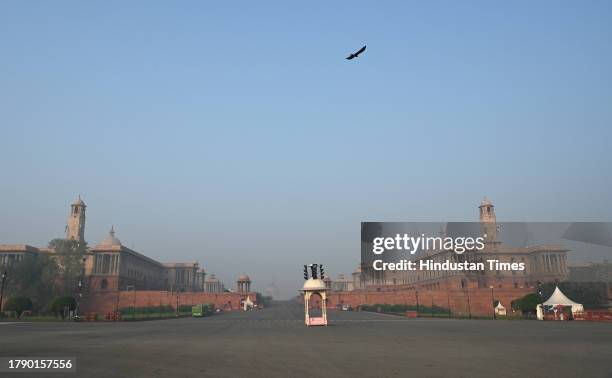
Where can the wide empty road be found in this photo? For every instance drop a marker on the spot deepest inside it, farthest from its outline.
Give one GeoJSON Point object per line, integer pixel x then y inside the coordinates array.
{"type": "Point", "coordinates": [275, 343]}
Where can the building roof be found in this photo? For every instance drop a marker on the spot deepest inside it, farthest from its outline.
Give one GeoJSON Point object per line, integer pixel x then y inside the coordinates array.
{"type": "Point", "coordinates": [314, 284]}
{"type": "Point", "coordinates": [244, 278]}
{"type": "Point", "coordinates": [110, 240]}
{"type": "Point", "coordinates": [17, 248]}
{"type": "Point", "coordinates": [485, 202]}
{"type": "Point", "coordinates": [190, 265]}
{"type": "Point", "coordinates": [212, 279]}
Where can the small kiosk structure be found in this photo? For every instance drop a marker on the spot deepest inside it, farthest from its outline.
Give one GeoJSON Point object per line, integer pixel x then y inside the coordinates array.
{"type": "Point", "coordinates": [247, 304]}
{"type": "Point", "coordinates": [314, 286]}
{"type": "Point", "coordinates": [500, 310]}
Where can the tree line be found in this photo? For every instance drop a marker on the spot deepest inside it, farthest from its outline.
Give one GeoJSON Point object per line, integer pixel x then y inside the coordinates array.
{"type": "Point", "coordinates": [41, 282]}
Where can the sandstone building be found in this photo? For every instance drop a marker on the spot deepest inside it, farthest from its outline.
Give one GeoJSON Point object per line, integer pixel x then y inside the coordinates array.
{"type": "Point", "coordinates": [111, 266]}
{"type": "Point", "coordinates": [543, 263]}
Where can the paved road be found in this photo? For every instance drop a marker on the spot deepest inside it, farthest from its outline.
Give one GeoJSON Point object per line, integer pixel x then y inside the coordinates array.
{"type": "Point", "coordinates": [275, 343]}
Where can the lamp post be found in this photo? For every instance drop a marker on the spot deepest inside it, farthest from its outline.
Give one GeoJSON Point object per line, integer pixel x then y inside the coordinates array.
{"type": "Point", "coordinates": [432, 305]}
{"type": "Point", "coordinates": [79, 297]}
{"type": "Point", "coordinates": [493, 302]}
{"type": "Point", "coordinates": [540, 294]}
{"type": "Point", "coordinates": [133, 287]}
{"type": "Point", "coordinates": [4, 275]}
{"type": "Point", "coordinates": [417, 301]}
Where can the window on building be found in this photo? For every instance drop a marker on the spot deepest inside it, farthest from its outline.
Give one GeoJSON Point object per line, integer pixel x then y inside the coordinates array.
{"type": "Point", "coordinates": [104, 284]}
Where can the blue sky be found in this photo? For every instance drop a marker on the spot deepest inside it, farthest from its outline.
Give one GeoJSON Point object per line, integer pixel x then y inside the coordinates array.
{"type": "Point", "coordinates": [238, 135]}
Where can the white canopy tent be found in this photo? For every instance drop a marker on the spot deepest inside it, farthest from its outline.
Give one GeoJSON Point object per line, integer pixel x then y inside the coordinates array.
{"type": "Point", "coordinates": [500, 309]}
{"type": "Point", "coordinates": [559, 299]}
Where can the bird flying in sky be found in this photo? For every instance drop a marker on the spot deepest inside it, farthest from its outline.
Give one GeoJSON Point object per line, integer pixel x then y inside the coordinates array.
{"type": "Point", "coordinates": [356, 54]}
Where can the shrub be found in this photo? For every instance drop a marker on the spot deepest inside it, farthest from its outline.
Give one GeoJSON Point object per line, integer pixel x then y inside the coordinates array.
{"type": "Point", "coordinates": [146, 310]}
{"type": "Point", "coordinates": [402, 308]}
{"type": "Point", "coordinates": [528, 303]}
{"type": "Point", "coordinates": [18, 305]}
{"type": "Point", "coordinates": [185, 308]}
{"type": "Point", "coordinates": [61, 303]}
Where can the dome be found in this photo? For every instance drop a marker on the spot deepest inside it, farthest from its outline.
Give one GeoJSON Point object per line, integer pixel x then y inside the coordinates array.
{"type": "Point", "coordinates": [111, 240]}
{"type": "Point", "coordinates": [243, 278]}
{"type": "Point", "coordinates": [485, 202]}
{"type": "Point", "coordinates": [212, 278]}
{"type": "Point", "coordinates": [312, 284]}
{"type": "Point", "coordinates": [358, 269]}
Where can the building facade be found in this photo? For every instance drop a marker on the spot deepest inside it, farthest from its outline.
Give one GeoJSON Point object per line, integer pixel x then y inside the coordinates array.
{"type": "Point", "coordinates": [111, 266]}
{"type": "Point", "coordinates": [543, 263]}
{"type": "Point", "coordinates": [183, 276]}
{"type": "Point", "coordinates": [213, 285]}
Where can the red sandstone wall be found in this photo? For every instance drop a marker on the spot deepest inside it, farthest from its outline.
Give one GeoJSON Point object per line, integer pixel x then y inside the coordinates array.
{"type": "Point", "coordinates": [109, 301]}
{"type": "Point", "coordinates": [476, 301]}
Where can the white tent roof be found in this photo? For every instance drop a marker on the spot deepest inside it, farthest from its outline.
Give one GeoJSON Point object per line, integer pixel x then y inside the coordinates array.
{"type": "Point", "coordinates": [558, 298]}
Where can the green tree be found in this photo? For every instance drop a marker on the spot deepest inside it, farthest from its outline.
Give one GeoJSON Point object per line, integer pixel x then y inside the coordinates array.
{"type": "Point", "coordinates": [528, 303]}
{"type": "Point", "coordinates": [34, 277]}
{"type": "Point", "coordinates": [18, 305]}
{"type": "Point", "coordinates": [61, 303]}
{"type": "Point", "coordinates": [69, 254]}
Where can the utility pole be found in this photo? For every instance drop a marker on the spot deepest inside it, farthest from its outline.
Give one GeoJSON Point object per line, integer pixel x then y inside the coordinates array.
{"type": "Point", "coordinates": [80, 297]}
{"type": "Point", "coordinates": [133, 287]}
{"type": "Point", "coordinates": [4, 275]}
{"type": "Point", "coordinates": [493, 302]}
{"type": "Point", "coordinates": [432, 306]}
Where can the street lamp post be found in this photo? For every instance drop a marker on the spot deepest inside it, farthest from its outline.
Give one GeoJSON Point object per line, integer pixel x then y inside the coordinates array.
{"type": "Point", "coordinates": [79, 297]}
{"type": "Point", "coordinates": [133, 287]}
{"type": "Point", "coordinates": [432, 305]}
{"type": "Point", "coordinates": [493, 302]}
{"type": "Point", "coordinates": [540, 294]}
{"type": "Point", "coordinates": [417, 301]}
{"type": "Point", "coordinates": [4, 275]}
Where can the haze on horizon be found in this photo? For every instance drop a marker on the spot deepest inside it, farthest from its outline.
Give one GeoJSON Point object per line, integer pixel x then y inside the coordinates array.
{"type": "Point", "coordinates": [239, 136]}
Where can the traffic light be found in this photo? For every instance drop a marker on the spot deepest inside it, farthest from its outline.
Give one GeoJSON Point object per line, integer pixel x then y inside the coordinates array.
{"type": "Point", "coordinates": [314, 271]}
{"type": "Point", "coordinates": [305, 272]}
{"type": "Point", "coordinates": [322, 271]}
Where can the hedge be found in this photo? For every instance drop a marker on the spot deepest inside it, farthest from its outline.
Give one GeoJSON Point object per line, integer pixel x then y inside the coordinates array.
{"type": "Point", "coordinates": [18, 305]}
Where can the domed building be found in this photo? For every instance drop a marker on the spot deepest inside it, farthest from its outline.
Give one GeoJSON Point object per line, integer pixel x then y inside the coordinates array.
{"type": "Point", "coordinates": [505, 243]}
{"type": "Point", "coordinates": [213, 285]}
{"type": "Point", "coordinates": [115, 267]}
{"type": "Point", "coordinates": [243, 284]}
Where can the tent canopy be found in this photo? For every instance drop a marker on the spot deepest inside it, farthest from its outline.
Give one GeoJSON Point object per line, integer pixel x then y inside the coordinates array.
{"type": "Point", "coordinates": [558, 298]}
